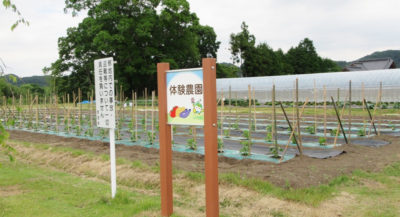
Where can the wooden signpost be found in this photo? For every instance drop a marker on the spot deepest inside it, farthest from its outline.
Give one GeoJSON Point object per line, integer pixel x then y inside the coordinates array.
{"type": "Point", "coordinates": [105, 107]}
{"type": "Point", "coordinates": [188, 97]}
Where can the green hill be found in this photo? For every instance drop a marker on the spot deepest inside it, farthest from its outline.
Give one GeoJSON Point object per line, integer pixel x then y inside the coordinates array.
{"type": "Point", "coordinates": [42, 81]}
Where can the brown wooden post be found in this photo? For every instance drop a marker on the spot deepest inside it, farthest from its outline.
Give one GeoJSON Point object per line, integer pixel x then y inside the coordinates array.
{"type": "Point", "coordinates": [165, 142]}
{"type": "Point", "coordinates": [211, 137]}
{"type": "Point", "coordinates": [145, 111]}
{"type": "Point", "coordinates": [230, 110]}
{"type": "Point", "coordinates": [254, 110]}
{"type": "Point", "coordinates": [153, 93]}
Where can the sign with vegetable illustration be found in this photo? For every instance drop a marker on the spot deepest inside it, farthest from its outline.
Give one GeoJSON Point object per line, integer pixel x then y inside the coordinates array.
{"type": "Point", "coordinates": [185, 97]}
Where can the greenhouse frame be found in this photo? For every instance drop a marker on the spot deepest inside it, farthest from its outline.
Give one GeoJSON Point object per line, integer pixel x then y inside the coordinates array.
{"type": "Point", "coordinates": [337, 85]}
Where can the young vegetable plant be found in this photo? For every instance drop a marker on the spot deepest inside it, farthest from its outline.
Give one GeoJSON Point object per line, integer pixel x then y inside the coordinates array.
{"type": "Point", "coordinates": [322, 141]}
{"type": "Point", "coordinates": [361, 132]}
{"type": "Point", "coordinates": [245, 150]}
{"type": "Point", "coordinates": [235, 125]}
{"type": "Point", "coordinates": [310, 129]}
{"type": "Point", "coordinates": [268, 137]}
{"type": "Point", "coordinates": [220, 146]}
{"type": "Point", "coordinates": [246, 134]}
{"type": "Point", "coordinates": [333, 132]}
{"type": "Point", "coordinates": [275, 151]}
{"type": "Point", "coordinates": [226, 133]}
{"type": "Point", "coordinates": [192, 144]}
{"type": "Point", "coordinates": [151, 137]}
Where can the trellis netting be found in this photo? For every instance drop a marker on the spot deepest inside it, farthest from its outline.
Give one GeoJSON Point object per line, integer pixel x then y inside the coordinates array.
{"type": "Point", "coordinates": [336, 84]}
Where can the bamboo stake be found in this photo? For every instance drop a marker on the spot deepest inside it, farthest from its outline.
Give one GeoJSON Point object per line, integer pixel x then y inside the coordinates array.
{"type": "Point", "coordinates": [349, 132]}
{"type": "Point", "coordinates": [274, 134]}
{"type": "Point", "coordinates": [236, 108]}
{"type": "Point", "coordinates": [325, 112]}
{"type": "Point", "coordinates": [249, 95]}
{"type": "Point", "coordinates": [230, 111]}
{"type": "Point", "coordinates": [145, 110]}
{"type": "Point", "coordinates": [20, 111]}
{"type": "Point", "coordinates": [290, 125]}
{"type": "Point", "coordinates": [363, 106]}
{"type": "Point", "coordinates": [68, 113]}
{"type": "Point", "coordinates": [222, 115]}
{"type": "Point", "coordinates": [338, 125]}
{"type": "Point", "coordinates": [372, 120]}
{"type": "Point", "coordinates": [374, 115]}
{"type": "Point", "coordinates": [298, 117]}
{"type": "Point", "coordinates": [136, 116]}
{"type": "Point", "coordinates": [380, 108]}
{"type": "Point", "coordinates": [56, 110]}
{"type": "Point", "coordinates": [254, 107]}
{"type": "Point", "coordinates": [340, 122]}
{"type": "Point", "coordinates": [292, 134]}
{"type": "Point", "coordinates": [152, 114]}
{"type": "Point", "coordinates": [315, 106]}
{"type": "Point", "coordinates": [37, 113]}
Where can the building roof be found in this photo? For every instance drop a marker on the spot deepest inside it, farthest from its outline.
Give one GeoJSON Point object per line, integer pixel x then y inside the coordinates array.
{"type": "Point", "coordinates": [371, 64]}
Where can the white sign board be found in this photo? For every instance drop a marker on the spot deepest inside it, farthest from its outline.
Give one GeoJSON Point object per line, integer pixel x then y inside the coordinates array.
{"type": "Point", "coordinates": [185, 97]}
{"type": "Point", "coordinates": [104, 86]}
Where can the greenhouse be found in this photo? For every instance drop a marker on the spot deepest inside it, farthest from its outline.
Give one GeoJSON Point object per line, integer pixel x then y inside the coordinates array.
{"type": "Point", "coordinates": [363, 83]}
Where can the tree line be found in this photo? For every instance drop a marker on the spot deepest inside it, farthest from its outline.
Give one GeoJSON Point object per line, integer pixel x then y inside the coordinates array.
{"type": "Point", "coordinates": [138, 34]}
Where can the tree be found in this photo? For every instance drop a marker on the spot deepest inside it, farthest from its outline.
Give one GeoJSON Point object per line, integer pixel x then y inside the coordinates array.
{"type": "Point", "coordinates": [303, 58]}
{"type": "Point", "coordinates": [241, 43]}
{"type": "Point", "coordinates": [7, 4]}
{"type": "Point", "coordinates": [227, 70]}
{"type": "Point", "coordinates": [137, 34]}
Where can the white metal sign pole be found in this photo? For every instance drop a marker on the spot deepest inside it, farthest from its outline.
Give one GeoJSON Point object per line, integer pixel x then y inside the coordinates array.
{"type": "Point", "coordinates": [112, 160]}
{"type": "Point", "coordinates": [105, 108]}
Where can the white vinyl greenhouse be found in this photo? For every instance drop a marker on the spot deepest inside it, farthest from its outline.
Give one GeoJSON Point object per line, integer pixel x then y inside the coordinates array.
{"type": "Point", "coordinates": [337, 84]}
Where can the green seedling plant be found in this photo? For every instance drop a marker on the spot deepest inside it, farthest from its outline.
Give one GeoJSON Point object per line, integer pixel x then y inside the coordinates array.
{"type": "Point", "coordinates": [77, 130]}
{"type": "Point", "coordinates": [102, 133]}
{"type": "Point", "coordinates": [191, 144]}
{"type": "Point", "coordinates": [322, 141]}
{"type": "Point", "coordinates": [220, 146]}
{"type": "Point", "coordinates": [226, 133]}
{"type": "Point", "coordinates": [89, 132]}
{"type": "Point", "coordinates": [268, 137]}
{"type": "Point", "coordinates": [190, 131]}
{"type": "Point", "coordinates": [361, 132]}
{"type": "Point", "coordinates": [4, 147]}
{"type": "Point", "coordinates": [151, 137]}
{"type": "Point", "coordinates": [391, 125]}
{"type": "Point", "coordinates": [219, 124]}
{"type": "Point", "coordinates": [275, 151]}
{"type": "Point", "coordinates": [310, 129]}
{"type": "Point", "coordinates": [246, 134]}
{"type": "Point", "coordinates": [333, 132]}
{"type": "Point", "coordinates": [235, 125]}
{"type": "Point", "coordinates": [245, 150]}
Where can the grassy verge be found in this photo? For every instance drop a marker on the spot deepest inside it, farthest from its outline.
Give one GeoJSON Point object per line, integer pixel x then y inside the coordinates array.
{"type": "Point", "coordinates": [28, 190]}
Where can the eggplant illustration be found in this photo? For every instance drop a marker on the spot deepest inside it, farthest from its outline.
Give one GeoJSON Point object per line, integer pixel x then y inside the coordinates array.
{"type": "Point", "coordinates": [172, 113]}
{"type": "Point", "coordinates": [185, 113]}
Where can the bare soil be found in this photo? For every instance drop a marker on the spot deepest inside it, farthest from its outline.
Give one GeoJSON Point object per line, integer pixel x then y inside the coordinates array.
{"type": "Point", "coordinates": [299, 172]}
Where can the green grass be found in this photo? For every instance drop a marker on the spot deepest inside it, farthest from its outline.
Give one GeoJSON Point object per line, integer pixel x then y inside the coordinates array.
{"type": "Point", "coordinates": [44, 192]}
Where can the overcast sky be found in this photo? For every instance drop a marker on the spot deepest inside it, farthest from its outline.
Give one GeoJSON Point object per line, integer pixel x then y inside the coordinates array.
{"type": "Point", "coordinates": [340, 29]}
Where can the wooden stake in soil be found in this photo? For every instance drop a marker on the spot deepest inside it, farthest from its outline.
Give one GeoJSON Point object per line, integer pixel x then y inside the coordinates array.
{"type": "Point", "coordinates": [136, 116]}
{"type": "Point", "coordinates": [250, 122]}
{"type": "Point", "coordinates": [298, 118]}
{"type": "Point", "coordinates": [274, 134]}
{"type": "Point", "coordinates": [254, 109]}
{"type": "Point", "coordinates": [290, 125]}
{"type": "Point", "coordinates": [20, 111]}
{"type": "Point", "coordinates": [152, 115]}
{"type": "Point", "coordinates": [145, 110]}
{"type": "Point", "coordinates": [370, 117]}
{"type": "Point", "coordinates": [340, 122]}
{"type": "Point", "coordinates": [230, 111]}
{"type": "Point", "coordinates": [380, 108]}
{"type": "Point", "coordinates": [315, 106]}
{"type": "Point", "coordinates": [363, 106]}
{"type": "Point", "coordinates": [37, 113]}
{"type": "Point", "coordinates": [324, 112]}
{"type": "Point", "coordinates": [222, 115]}
{"type": "Point", "coordinates": [349, 132]}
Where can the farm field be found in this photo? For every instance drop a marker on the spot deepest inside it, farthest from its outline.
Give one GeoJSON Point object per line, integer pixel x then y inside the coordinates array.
{"type": "Point", "coordinates": [331, 178]}
{"type": "Point", "coordinates": [55, 176]}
